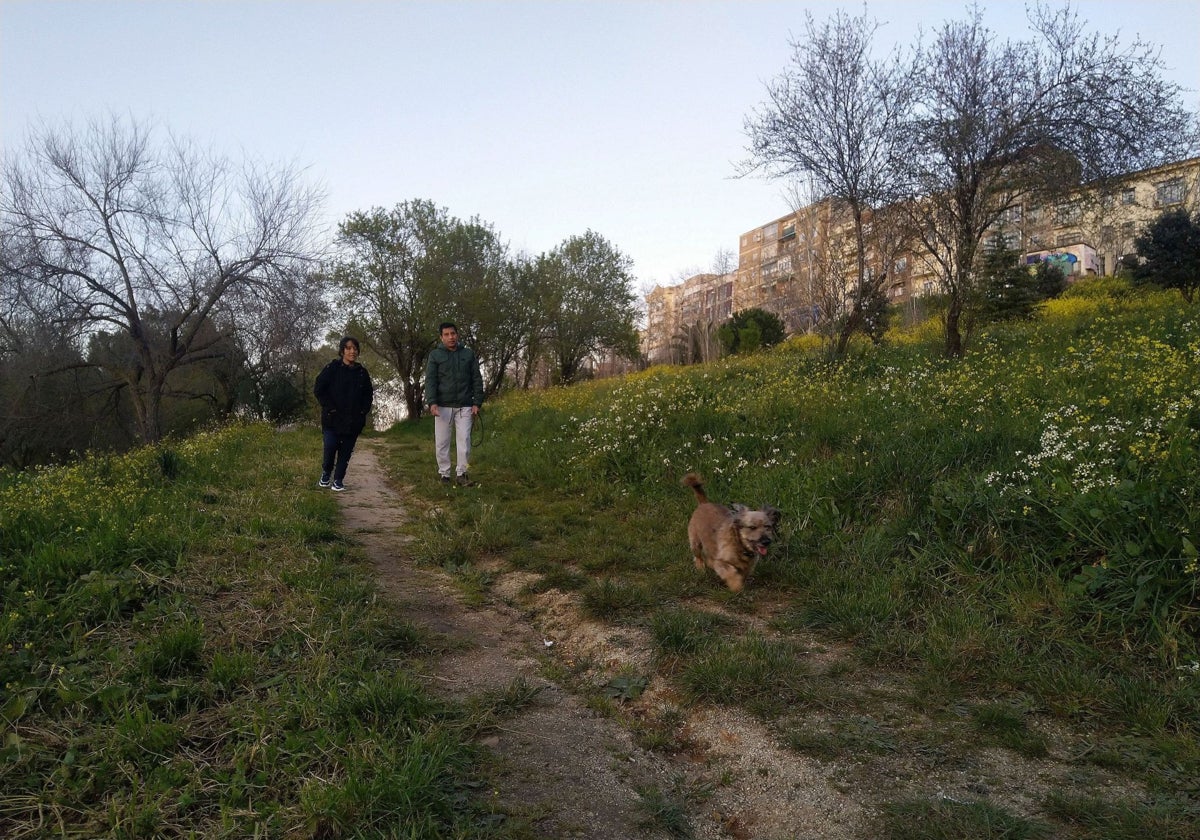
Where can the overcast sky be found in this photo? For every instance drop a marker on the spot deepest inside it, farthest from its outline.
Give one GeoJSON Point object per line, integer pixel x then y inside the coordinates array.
{"type": "Point", "coordinates": [545, 119]}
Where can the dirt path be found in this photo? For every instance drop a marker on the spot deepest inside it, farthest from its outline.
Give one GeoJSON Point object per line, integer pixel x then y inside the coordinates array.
{"type": "Point", "coordinates": [571, 771]}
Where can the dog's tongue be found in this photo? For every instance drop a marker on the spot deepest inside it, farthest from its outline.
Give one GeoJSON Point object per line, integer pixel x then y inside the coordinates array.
{"type": "Point", "coordinates": [761, 549]}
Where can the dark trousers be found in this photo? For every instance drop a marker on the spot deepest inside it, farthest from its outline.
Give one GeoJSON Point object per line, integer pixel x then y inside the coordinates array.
{"type": "Point", "coordinates": [339, 445]}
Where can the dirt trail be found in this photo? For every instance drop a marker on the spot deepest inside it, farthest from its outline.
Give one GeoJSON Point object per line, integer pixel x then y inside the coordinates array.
{"type": "Point", "coordinates": [572, 772]}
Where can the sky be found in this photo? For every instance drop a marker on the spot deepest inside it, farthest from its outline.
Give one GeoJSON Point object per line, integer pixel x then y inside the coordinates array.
{"type": "Point", "coordinates": [544, 118]}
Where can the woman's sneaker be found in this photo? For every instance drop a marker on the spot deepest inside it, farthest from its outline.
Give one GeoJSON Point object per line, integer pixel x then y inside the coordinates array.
{"type": "Point", "coordinates": [338, 486]}
{"type": "Point", "coordinates": [324, 480]}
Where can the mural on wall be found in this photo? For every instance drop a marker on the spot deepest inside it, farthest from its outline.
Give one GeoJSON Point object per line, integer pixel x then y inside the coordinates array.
{"type": "Point", "coordinates": [1073, 261]}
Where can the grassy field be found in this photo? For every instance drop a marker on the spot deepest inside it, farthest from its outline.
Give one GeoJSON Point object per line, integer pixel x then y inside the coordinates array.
{"type": "Point", "coordinates": [1014, 532]}
{"type": "Point", "coordinates": [188, 647]}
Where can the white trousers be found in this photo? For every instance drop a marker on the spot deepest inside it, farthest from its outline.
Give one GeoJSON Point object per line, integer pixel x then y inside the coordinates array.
{"type": "Point", "coordinates": [458, 419]}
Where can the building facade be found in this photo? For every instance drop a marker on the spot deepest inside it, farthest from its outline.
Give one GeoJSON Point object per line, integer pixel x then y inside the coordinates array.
{"type": "Point", "coordinates": [802, 266]}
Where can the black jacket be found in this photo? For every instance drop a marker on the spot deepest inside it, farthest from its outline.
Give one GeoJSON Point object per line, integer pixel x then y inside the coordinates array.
{"type": "Point", "coordinates": [345, 393]}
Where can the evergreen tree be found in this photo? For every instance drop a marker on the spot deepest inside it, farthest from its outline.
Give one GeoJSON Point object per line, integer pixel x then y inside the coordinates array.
{"type": "Point", "coordinates": [750, 329]}
{"type": "Point", "coordinates": [1169, 253]}
{"type": "Point", "coordinates": [1010, 290]}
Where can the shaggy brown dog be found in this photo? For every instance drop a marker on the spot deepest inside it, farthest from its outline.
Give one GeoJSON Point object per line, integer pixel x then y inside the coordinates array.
{"type": "Point", "coordinates": [729, 540]}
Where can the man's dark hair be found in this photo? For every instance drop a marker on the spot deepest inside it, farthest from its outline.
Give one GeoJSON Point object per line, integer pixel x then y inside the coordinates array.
{"type": "Point", "coordinates": [447, 325]}
{"type": "Point", "coordinates": [349, 340]}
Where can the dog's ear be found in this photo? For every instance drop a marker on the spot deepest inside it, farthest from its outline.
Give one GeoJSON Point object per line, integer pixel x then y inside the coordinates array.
{"type": "Point", "coordinates": [774, 515]}
{"type": "Point", "coordinates": [737, 511]}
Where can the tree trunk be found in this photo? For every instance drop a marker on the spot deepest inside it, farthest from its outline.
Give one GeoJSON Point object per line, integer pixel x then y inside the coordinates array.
{"type": "Point", "coordinates": [954, 342]}
{"type": "Point", "coordinates": [853, 322]}
{"type": "Point", "coordinates": [413, 402]}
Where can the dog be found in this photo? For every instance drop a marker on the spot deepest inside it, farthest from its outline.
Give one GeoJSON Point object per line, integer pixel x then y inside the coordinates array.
{"type": "Point", "coordinates": [729, 540]}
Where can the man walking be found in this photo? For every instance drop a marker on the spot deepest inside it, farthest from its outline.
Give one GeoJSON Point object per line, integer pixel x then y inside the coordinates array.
{"type": "Point", "coordinates": [453, 393]}
{"type": "Point", "coordinates": [344, 390]}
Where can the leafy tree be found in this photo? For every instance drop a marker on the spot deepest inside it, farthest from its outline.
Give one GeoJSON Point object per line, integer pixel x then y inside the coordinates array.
{"type": "Point", "coordinates": [751, 329]}
{"type": "Point", "coordinates": [1011, 290]}
{"type": "Point", "coordinates": [405, 270]}
{"type": "Point", "coordinates": [48, 411]}
{"type": "Point", "coordinates": [589, 305]}
{"type": "Point", "coordinates": [150, 241]}
{"type": "Point", "coordinates": [1169, 253]}
{"type": "Point", "coordinates": [996, 123]}
{"type": "Point", "coordinates": [281, 399]}
{"type": "Point", "coordinates": [490, 300]}
{"type": "Point", "coordinates": [392, 270]}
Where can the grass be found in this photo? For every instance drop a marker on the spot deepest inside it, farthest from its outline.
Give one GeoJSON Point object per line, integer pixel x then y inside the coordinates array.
{"type": "Point", "coordinates": [189, 650]}
{"type": "Point", "coordinates": [951, 820]}
{"type": "Point", "coordinates": [975, 554]}
{"type": "Point", "coordinates": [1012, 533]}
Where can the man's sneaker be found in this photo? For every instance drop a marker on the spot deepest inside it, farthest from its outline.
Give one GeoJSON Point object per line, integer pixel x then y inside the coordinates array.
{"type": "Point", "coordinates": [464, 480]}
{"type": "Point", "coordinates": [324, 480]}
{"type": "Point", "coordinates": [445, 479]}
{"type": "Point", "coordinates": [338, 486]}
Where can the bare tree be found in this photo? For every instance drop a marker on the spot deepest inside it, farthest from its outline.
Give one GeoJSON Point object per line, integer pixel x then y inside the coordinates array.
{"type": "Point", "coordinates": [834, 119]}
{"type": "Point", "coordinates": [724, 262]}
{"type": "Point", "coordinates": [146, 241]}
{"type": "Point", "coordinates": [997, 123]}
{"type": "Point", "coordinates": [277, 334]}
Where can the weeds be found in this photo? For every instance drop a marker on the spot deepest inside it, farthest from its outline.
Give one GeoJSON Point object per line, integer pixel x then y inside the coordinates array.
{"type": "Point", "coordinates": [951, 820]}
{"type": "Point", "coordinates": [1015, 532]}
{"type": "Point", "coordinates": [188, 653]}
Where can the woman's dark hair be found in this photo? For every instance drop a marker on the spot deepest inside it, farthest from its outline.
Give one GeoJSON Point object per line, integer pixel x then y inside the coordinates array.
{"type": "Point", "coordinates": [349, 340]}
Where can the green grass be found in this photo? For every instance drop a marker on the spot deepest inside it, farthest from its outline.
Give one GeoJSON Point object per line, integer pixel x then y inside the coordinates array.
{"type": "Point", "coordinates": [950, 820]}
{"type": "Point", "coordinates": [1012, 533]}
{"type": "Point", "coordinates": [995, 548]}
{"type": "Point", "coordinates": [190, 650]}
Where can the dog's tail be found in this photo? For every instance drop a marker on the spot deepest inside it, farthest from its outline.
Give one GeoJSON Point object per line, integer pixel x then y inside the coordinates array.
{"type": "Point", "coordinates": [692, 480]}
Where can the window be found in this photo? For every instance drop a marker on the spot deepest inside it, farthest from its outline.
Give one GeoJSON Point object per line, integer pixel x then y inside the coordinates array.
{"type": "Point", "coordinates": [1013, 215]}
{"type": "Point", "coordinates": [1128, 196]}
{"type": "Point", "coordinates": [1000, 241]}
{"type": "Point", "coordinates": [1066, 214]}
{"type": "Point", "coordinates": [789, 231]}
{"type": "Point", "coordinates": [900, 266]}
{"type": "Point", "coordinates": [1072, 238]}
{"type": "Point", "coordinates": [1169, 192]}
{"type": "Point", "coordinates": [1034, 216]}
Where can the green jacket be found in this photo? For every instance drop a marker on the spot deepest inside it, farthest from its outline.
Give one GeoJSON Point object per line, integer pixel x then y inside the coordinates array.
{"type": "Point", "coordinates": [453, 379]}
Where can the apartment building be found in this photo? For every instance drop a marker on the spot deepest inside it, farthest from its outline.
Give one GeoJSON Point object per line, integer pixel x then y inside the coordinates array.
{"type": "Point", "coordinates": [704, 299]}
{"type": "Point", "coordinates": [1089, 231]}
{"type": "Point", "coordinates": [799, 265]}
